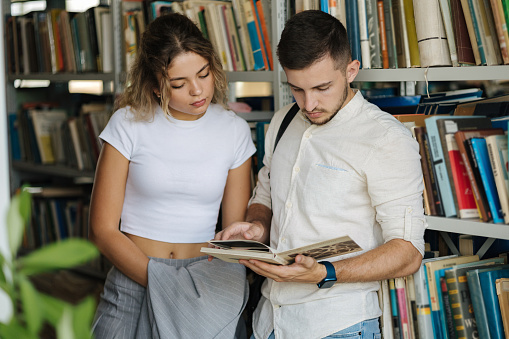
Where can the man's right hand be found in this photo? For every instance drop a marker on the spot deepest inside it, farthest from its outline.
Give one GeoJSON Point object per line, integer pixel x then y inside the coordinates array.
{"type": "Point", "coordinates": [242, 230]}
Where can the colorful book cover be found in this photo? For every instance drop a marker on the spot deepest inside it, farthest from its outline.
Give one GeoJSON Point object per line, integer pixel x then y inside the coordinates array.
{"type": "Point", "coordinates": [488, 181]}
{"type": "Point", "coordinates": [489, 292]}
{"type": "Point", "coordinates": [256, 47]}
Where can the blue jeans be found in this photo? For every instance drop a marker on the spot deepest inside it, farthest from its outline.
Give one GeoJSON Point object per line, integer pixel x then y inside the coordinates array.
{"type": "Point", "coordinates": [367, 329]}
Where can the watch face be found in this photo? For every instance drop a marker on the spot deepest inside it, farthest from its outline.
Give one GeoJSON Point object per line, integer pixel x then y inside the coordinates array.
{"type": "Point", "coordinates": [327, 283]}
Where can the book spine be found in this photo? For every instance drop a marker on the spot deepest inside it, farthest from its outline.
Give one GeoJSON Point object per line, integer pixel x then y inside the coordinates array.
{"type": "Point", "coordinates": [413, 47]}
{"type": "Point", "coordinates": [256, 48]}
{"type": "Point", "coordinates": [501, 28]}
{"type": "Point", "coordinates": [383, 35]}
{"type": "Point", "coordinates": [363, 34]}
{"type": "Point", "coordinates": [440, 168]}
{"type": "Point", "coordinates": [477, 28]}
{"type": "Point", "coordinates": [373, 33]}
{"type": "Point", "coordinates": [491, 303]}
{"type": "Point", "coordinates": [481, 155]}
{"type": "Point", "coordinates": [459, 300]}
{"type": "Point", "coordinates": [466, 201]}
{"type": "Point", "coordinates": [451, 39]}
{"type": "Point", "coordinates": [402, 308]}
{"type": "Point", "coordinates": [463, 43]}
{"type": "Point", "coordinates": [394, 308]}
{"type": "Point", "coordinates": [259, 33]}
{"type": "Point", "coordinates": [497, 145]}
{"type": "Point", "coordinates": [390, 32]}
{"type": "Point", "coordinates": [265, 33]}
{"type": "Point", "coordinates": [471, 31]}
{"type": "Point", "coordinates": [352, 28]}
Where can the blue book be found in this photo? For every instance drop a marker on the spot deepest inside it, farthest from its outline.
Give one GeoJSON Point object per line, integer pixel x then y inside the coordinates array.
{"type": "Point", "coordinates": [260, 142]}
{"type": "Point", "coordinates": [491, 302]}
{"type": "Point", "coordinates": [447, 196]}
{"type": "Point", "coordinates": [478, 301]}
{"type": "Point", "coordinates": [435, 315]}
{"type": "Point", "coordinates": [253, 36]}
{"type": "Point", "coordinates": [324, 6]}
{"type": "Point", "coordinates": [14, 136]}
{"type": "Point", "coordinates": [488, 181]}
{"type": "Point", "coordinates": [394, 310]}
{"type": "Point", "coordinates": [352, 28]}
{"type": "Point", "coordinates": [478, 37]}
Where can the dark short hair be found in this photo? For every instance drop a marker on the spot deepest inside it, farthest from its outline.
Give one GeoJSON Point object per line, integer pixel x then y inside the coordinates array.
{"type": "Point", "coordinates": [310, 36]}
{"type": "Point", "coordinates": [164, 39]}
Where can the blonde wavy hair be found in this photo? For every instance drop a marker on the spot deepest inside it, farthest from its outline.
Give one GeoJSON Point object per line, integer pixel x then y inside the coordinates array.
{"type": "Point", "coordinates": [166, 38]}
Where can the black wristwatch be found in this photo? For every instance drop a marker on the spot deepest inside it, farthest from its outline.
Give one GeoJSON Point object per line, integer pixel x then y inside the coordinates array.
{"type": "Point", "coordinates": [330, 279]}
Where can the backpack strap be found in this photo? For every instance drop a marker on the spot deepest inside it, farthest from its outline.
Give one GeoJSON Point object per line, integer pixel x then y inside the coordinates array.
{"type": "Point", "coordinates": [286, 121]}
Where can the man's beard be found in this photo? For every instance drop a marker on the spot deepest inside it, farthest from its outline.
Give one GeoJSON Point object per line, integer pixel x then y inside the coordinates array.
{"type": "Point", "coordinates": [335, 110]}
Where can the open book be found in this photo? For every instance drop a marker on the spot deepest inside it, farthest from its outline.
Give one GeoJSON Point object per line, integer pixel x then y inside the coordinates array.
{"type": "Point", "coordinates": [233, 250]}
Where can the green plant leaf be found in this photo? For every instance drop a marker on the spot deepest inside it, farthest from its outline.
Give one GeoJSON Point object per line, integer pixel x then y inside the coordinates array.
{"type": "Point", "coordinates": [64, 327]}
{"type": "Point", "coordinates": [25, 204]}
{"type": "Point", "coordinates": [59, 255]}
{"type": "Point", "coordinates": [31, 305]}
{"type": "Point", "coordinates": [15, 224]}
{"type": "Point", "coordinates": [51, 308]}
{"type": "Point", "coordinates": [15, 330]}
{"type": "Point", "coordinates": [82, 318]}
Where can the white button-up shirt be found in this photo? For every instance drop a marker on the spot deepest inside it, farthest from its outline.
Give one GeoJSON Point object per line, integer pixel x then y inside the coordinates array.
{"type": "Point", "coordinates": [358, 175]}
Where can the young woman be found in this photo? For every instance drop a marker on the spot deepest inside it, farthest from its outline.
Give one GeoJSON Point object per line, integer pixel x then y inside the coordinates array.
{"type": "Point", "coordinates": [172, 155]}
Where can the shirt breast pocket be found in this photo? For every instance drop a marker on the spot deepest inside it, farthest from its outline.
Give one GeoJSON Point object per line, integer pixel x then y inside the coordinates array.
{"type": "Point", "coordinates": [327, 185]}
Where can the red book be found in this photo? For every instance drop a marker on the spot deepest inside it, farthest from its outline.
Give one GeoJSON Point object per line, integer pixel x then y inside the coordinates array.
{"type": "Point", "coordinates": [462, 186]}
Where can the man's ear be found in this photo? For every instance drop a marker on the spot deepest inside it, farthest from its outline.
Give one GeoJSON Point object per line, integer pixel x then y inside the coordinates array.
{"type": "Point", "coordinates": [352, 69]}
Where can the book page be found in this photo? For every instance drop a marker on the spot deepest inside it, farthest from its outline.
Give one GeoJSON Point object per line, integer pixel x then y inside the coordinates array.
{"type": "Point", "coordinates": [325, 249]}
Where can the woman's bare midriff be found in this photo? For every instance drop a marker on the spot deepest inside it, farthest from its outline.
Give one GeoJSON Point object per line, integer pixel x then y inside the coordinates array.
{"type": "Point", "coordinates": [161, 249]}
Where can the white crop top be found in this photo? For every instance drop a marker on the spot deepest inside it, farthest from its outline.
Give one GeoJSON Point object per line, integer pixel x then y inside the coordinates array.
{"type": "Point", "coordinates": [177, 171]}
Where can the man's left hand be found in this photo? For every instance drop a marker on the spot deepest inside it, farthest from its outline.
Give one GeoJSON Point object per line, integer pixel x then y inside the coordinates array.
{"type": "Point", "coordinates": [303, 270]}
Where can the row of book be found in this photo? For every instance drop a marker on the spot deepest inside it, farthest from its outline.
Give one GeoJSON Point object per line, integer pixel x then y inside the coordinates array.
{"type": "Point", "coordinates": [239, 30]}
{"type": "Point", "coordinates": [55, 41]}
{"type": "Point", "coordinates": [464, 158]}
{"type": "Point", "coordinates": [451, 297]}
{"type": "Point", "coordinates": [59, 213]}
{"type": "Point", "coordinates": [42, 133]}
{"type": "Point", "coordinates": [416, 33]}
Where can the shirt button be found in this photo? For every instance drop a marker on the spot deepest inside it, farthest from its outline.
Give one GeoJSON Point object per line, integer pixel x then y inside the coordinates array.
{"type": "Point", "coordinates": [307, 135]}
{"type": "Point", "coordinates": [297, 169]}
{"type": "Point", "coordinates": [283, 239]}
{"type": "Point", "coordinates": [289, 204]}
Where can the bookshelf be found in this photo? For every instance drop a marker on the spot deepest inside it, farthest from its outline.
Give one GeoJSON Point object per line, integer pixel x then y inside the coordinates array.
{"type": "Point", "coordinates": [282, 96]}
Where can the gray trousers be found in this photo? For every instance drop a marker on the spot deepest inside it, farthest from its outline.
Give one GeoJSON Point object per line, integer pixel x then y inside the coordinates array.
{"type": "Point", "coordinates": [185, 298]}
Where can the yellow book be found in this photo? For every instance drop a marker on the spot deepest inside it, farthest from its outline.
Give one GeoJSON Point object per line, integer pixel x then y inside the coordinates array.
{"type": "Point", "coordinates": [413, 47]}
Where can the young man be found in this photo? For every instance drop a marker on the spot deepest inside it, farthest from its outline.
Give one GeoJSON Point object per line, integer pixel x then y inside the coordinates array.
{"type": "Point", "coordinates": [343, 167]}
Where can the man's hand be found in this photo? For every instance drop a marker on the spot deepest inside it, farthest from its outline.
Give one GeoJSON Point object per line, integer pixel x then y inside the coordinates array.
{"type": "Point", "coordinates": [303, 270]}
{"type": "Point", "coordinates": [242, 230]}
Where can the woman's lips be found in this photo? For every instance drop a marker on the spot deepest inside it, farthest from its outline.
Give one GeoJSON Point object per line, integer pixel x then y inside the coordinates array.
{"type": "Point", "coordinates": [199, 103]}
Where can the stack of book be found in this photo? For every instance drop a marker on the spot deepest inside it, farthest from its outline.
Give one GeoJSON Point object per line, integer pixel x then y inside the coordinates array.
{"type": "Point", "coordinates": [452, 297]}
{"type": "Point", "coordinates": [56, 41]}
{"type": "Point", "coordinates": [464, 156]}
{"type": "Point", "coordinates": [417, 33]}
{"type": "Point", "coordinates": [43, 133]}
{"type": "Point", "coordinates": [240, 30]}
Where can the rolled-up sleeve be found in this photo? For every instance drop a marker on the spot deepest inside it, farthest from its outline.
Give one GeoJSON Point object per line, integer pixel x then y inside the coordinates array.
{"type": "Point", "coordinates": [395, 185]}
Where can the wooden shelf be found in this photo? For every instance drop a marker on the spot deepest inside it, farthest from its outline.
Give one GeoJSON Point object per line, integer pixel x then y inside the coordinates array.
{"type": "Point", "coordinates": [56, 170]}
{"type": "Point", "coordinates": [468, 226]}
{"type": "Point", "coordinates": [62, 77]}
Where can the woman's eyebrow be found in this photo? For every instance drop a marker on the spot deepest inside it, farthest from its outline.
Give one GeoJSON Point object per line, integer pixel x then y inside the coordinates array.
{"type": "Point", "coordinates": [183, 78]}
